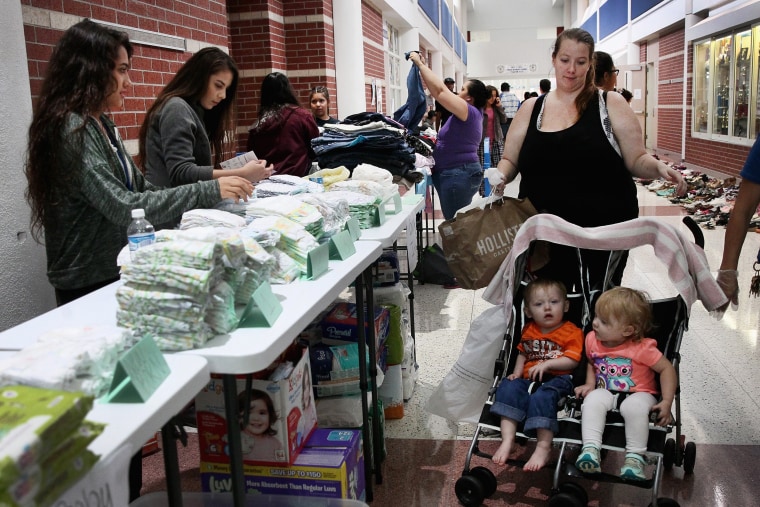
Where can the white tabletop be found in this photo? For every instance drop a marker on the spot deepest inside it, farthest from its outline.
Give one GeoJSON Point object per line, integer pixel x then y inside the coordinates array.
{"type": "Point", "coordinates": [130, 425]}
{"type": "Point", "coordinates": [389, 232]}
{"type": "Point", "coordinates": [245, 350]}
{"type": "Point", "coordinates": [95, 309]}
{"type": "Point", "coordinates": [136, 423]}
{"type": "Point", "coordinates": [248, 350]}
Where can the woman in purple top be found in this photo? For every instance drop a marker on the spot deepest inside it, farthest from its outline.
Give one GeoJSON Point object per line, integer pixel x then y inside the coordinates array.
{"type": "Point", "coordinates": [457, 172]}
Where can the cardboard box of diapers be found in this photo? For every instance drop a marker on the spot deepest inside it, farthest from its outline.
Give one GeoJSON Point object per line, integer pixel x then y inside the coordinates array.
{"type": "Point", "coordinates": [331, 465]}
{"type": "Point", "coordinates": [281, 413]}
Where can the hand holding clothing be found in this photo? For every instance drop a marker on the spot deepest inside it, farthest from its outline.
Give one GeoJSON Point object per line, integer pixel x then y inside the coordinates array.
{"type": "Point", "coordinates": [257, 170]}
{"type": "Point", "coordinates": [728, 279]}
{"type": "Point", "coordinates": [235, 187]}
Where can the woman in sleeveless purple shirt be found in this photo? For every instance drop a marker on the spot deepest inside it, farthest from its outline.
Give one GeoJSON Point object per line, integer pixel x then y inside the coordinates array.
{"type": "Point", "coordinates": [457, 172]}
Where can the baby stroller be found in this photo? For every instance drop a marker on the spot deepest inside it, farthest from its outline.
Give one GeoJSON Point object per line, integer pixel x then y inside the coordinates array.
{"type": "Point", "coordinates": [689, 272]}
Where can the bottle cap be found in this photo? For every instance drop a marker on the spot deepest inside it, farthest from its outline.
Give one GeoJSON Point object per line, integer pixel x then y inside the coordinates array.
{"type": "Point", "coordinates": [138, 213]}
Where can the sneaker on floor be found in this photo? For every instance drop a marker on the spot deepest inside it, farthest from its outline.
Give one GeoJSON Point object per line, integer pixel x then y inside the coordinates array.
{"type": "Point", "coordinates": [588, 460]}
{"type": "Point", "coordinates": [633, 467]}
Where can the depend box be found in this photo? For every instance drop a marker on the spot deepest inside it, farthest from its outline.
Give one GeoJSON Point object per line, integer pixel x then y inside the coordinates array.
{"type": "Point", "coordinates": [282, 416]}
{"type": "Point", "coordinates": [339, 325]}
{"type": "Point", "coordinates": [331, 465]}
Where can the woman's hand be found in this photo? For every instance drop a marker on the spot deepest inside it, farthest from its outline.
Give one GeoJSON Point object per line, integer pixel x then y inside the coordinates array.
{"type": "Point", "coordinates": [415, 57]}
{"type": "Point", "coordinates": [235, 187]}
{"type": "Point", "coordinates": [673, 176]}
{"type": "Point", "coordinates": [257, 170]}
{"type": "Point", "coordinates": [728, 279]}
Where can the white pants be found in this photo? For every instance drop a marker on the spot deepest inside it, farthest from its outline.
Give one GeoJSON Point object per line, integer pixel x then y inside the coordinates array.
{"type": "Point", "coordinates": [634, 409]}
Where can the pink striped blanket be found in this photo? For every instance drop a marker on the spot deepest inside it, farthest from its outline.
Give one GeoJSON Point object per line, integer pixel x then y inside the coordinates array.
{"type": "Point", "coordinates": [686, 262]}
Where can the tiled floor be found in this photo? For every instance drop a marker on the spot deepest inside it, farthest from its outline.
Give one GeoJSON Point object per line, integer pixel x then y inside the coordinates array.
{"type": "Point", "coordinates": [720, 401]}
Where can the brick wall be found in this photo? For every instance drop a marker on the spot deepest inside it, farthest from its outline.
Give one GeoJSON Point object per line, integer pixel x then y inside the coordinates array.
{"type": "Point", "coordinates": [670, 95]}
{"type": "Point", "coordinates": [289, 36]}
{"type": "Point", "coordinates": [200, 22]}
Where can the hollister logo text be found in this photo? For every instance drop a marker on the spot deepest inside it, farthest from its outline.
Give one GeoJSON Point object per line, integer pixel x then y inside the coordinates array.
{"type": "Point", "coordinates": [496, 243]}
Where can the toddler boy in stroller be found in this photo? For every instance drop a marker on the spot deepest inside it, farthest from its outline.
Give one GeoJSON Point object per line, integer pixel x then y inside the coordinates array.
{"type": "Point", "coordinates": [550, 348]}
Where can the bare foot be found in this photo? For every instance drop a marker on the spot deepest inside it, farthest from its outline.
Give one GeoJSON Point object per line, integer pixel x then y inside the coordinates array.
{"type": "Point", "coordinates": [539, 458]}
{"type": "Point", "coordinates": [501, 455]}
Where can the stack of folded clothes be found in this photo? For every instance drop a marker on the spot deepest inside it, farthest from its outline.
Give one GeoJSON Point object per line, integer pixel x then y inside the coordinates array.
{"type": "Point", "coordinates": [371, 138]}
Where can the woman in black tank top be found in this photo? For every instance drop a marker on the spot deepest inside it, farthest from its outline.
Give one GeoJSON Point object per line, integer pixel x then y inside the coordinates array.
{"type": "Point", "coordinates": [577, 150]}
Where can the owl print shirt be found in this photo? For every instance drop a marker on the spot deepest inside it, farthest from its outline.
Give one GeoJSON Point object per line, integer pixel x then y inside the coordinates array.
{"type": "Point", "coordinates": [625, 368]}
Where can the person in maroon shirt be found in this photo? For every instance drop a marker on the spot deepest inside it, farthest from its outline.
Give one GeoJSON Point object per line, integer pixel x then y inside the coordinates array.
{"type": "Point", "coordinates": [282, 135]}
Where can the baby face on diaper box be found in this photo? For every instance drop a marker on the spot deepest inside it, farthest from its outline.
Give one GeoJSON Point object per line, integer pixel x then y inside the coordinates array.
{"type": "Point", "coordinates": [275, 417]}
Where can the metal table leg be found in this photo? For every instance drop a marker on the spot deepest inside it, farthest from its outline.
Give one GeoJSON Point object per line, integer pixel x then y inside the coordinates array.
{"type": "Point", "coordinates": [234, 440]}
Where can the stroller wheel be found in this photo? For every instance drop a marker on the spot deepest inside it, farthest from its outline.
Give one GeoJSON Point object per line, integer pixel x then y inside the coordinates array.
{"type": "Point", "coordinates": [486, 478]}
{"type": "Point", "coordinates": [689, 457]}
{"type": "Point", "coordinates": [566, 500]}
{"type": "Point", "coordinates": [666, 502]}
{"type": "Point", "coordinates": [470, 491]}
{"type": "Point", "coordinates": [669, 453]}
{"type": "Point", "coordinates": [574, 489]}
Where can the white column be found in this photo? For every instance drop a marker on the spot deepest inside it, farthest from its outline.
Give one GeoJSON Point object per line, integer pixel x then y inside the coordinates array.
{"type": "Point", "coordinates": [24, 289]}
{"type": "Point", "coordinates": [349, 57]}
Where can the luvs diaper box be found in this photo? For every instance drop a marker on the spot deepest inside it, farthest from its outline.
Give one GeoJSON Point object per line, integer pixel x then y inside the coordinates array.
{"type": "Point", "coordinates": [331, 465]}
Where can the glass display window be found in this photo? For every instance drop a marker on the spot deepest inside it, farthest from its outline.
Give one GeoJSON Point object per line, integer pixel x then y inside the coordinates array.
{"type": "Point", "coordinates": [742, 83]}
{"type": "Point", "coordinates": [722, 83]}
{"type": "Point", "coordinates": [724, 94]}
{"type": "Point", "coordinates": [701, 86]}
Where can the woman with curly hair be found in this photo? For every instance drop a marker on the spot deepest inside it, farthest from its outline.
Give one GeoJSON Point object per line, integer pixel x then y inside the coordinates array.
{"type": "Point", "coordinates": [82, 183]}
{"type": "Point", "coordinates": [282, 135]}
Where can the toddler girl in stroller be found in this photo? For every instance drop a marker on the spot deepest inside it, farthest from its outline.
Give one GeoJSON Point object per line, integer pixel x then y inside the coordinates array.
{"type": "Point", "coordinates": [621, 370]}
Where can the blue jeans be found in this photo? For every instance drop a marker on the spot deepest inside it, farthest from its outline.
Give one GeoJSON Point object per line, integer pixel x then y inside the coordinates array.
{"type": "Point", "coordinates": [456, 186]}
{"type": "Point", "coordinates": [538, 410]}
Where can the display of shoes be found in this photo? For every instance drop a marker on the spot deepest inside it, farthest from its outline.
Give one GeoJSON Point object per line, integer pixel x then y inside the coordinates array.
{"type": "Point", "coordinates": [708, 200]}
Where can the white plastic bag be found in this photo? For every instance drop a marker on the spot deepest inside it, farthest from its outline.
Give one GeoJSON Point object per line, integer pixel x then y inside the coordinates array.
{"type": "Point", "coordinates": [463, 392]}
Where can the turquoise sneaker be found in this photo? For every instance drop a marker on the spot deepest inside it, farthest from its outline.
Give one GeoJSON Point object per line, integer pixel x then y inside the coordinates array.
{"type": "Point", "coordinates": [633, 468]}
{"type": "Point", "coordinates": [588, 460]}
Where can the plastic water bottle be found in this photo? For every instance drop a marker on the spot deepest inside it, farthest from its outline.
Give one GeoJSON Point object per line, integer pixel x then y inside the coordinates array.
{"type": "Point", "coordinates": [140, 232]}
{"type": "Point", "coordinates": [486, 165]}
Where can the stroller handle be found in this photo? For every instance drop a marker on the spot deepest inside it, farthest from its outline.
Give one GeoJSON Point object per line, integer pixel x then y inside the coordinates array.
{"type": "Point", "coordinates": [699, 237]}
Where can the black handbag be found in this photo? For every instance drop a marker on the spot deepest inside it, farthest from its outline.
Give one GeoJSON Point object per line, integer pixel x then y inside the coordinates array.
{"type": "Point", "coordinates": [433, 268]}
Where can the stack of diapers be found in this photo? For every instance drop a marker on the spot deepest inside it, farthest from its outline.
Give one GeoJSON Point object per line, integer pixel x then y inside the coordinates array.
{"type": "Point", "coordinates": [69, 359]}
{"type": "Point", "coordinates": [43, 443]}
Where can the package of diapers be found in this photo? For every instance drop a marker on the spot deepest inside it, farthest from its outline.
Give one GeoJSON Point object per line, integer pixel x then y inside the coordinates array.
{"type": "Point", "coordinates": [33, 423]}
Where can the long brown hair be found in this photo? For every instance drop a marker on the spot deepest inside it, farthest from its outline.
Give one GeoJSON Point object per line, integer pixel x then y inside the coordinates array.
{"type": "Point", "coordinates": [78, 80]}
{"type": "Point", "coordinates": [190, 83]}
{"type": "Point", "coordinates": [589, 89]}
